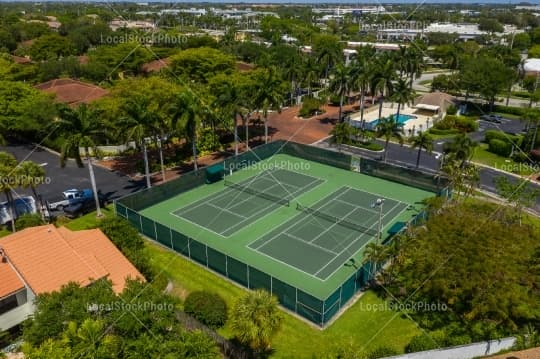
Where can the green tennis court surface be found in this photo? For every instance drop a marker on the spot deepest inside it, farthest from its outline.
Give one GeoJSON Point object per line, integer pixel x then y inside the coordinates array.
{"type": "Point", "coordinates": [328, 233]}
{"type": "Point", "coordinates": [242, 203]}
{"type": "Point", "coordinates": [292, 219]}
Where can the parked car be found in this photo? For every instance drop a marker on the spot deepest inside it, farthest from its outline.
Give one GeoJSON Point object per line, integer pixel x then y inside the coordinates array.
{"type": "Point", "coordinates": [492, 118]}
{"type": "Point", "coordinates": [86, 206]}
{"type": "Point", "coordinates": [21, 206]}
{"type": "Point", "coordinates": [69, 197]}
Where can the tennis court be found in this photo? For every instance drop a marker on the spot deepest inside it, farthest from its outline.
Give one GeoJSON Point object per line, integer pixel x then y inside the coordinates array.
{"type": "Point", "coordinates": [240, 204]}
{"type": "Point", "coordinates": [328, 233]}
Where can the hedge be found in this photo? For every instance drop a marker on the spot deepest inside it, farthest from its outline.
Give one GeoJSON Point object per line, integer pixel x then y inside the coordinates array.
{"type": "Point", "coordinates": [500, 147]}
{"type": "Point", "coordinates": [310, 106]}
{"type": "Point", "coordinates": [451, 131]}
{"type": "Point", "coordinates": [502, 136]}
{"type": "Point", "coordinates": [209, 308]}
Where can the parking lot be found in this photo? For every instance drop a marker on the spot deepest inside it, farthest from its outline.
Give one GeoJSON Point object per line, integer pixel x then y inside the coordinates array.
{"type": "Point", "coordinates": [112, 185]}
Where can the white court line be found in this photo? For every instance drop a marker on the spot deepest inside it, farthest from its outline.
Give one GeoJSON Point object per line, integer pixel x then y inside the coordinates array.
{"type": "Point", "coordinates": [264, 208]}
{"type": "Point", "coordinates": [375, 194]}
{"type": "Point", "coordinates": [311, 244]}
{"type": "Point", "coordinates": [226, 210]}
{"type": "Point", "coordinates": [356, 240]}
{"type": "Point", "coordinates": [296, 222]}
{"type": "Point", "coordinates": [356, 206]}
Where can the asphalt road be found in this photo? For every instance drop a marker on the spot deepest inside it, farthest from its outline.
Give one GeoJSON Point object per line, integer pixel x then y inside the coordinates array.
{"type": "Point", "coordinates": [406, 156]}
{"type": "Point", "coordinates": [112, 185]}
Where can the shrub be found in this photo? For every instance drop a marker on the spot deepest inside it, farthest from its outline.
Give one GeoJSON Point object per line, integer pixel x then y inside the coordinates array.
{"type": "Point", "coordinates": [519, 156]}
{"type": "Point", "coordinates": [502, 136]}
{"type": "Point", "coordinates": [208, 308]}
{"type": "Point", "coordinates": [420, 343]}
{"type": "Point", "coordinates": [335, 99]}
{"type": "Point", "coordinates": [500, 147]}
{"type": "Point", "coordinates": [310, 106]}
{"type": "Point", "coordinates": [28, 220]}
{"type": "Point", "coordinates": [451, 110]}
{"type": "Point", "coordinates": [466, 124]}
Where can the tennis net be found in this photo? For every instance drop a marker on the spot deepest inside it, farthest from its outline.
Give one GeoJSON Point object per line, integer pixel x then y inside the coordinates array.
{"type": "Point", "coordinates": [270, 197]}
{"type": "Point", "coordinates": [337, 220]}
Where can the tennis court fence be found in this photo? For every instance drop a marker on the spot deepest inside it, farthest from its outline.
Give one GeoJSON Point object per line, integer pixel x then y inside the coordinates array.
{"type": "Point", "coordinates": [317, 310]}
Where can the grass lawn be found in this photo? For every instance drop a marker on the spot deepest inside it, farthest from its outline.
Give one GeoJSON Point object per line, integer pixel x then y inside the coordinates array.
{"type": "Point", "coordinates": [85, 222]}
{"type": "Point", "coordinates": [482, 155]}
{"type": "Point", "coordinates": [441, 136]}
{"type": "Point", "coordinates": [361, 324]}
{"type": "Point", "coordinates": [4, 232]}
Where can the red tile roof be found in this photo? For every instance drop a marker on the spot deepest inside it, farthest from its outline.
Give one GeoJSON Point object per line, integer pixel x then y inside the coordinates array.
{"type": "Point", "coordinates": [10, 282]}
{"type": "Point", "coordinates": [72, 92]}
{"type": "Point", "coordinates": [156, 65]}
{"type": "Point", "coordinates": [47, 257]}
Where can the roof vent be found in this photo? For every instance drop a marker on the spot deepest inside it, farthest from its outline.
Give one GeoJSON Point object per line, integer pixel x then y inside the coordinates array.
{"type": "Point", "coordinates": [3, 255]}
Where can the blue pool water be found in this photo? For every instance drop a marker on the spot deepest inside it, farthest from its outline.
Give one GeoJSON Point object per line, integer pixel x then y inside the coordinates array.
{"type": "Point", "coordinates": [402, 118]}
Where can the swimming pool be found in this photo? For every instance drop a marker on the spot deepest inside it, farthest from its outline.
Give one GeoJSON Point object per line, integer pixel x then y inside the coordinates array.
{"type": "Point", "coordinates": [402, 119]}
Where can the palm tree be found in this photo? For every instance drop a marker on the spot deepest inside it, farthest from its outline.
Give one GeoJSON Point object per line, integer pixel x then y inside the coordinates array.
{"type": "Point", "coordinates": [229, 100]}
{"type": "Point", "coordinates": [269, 95]}
{"type": "Point", "coordinates": [341, 133]}
{"type": "Point", "coordinates": [311, 72]}
{"type": "Point", "coordinates": [292, 71]}
{"type": "Point", "coordinates": [422, 141]}
{"type": "Point", "coordinates": [137, 124]}
{"type": "Point", "coordinates": [382, 80]}
{"type": "Point", "coordinates": [8, 165]}
{"type": "Point", "coordinates": [414, 64]}
{"type": "Point", "coordinates": [31, 175]}
{"type": "Point", "coordinates": [255, 319]}
{"type": "Point", "coordinates": [376, 254]}
{"type": "Point", "coordinates": [403, 94]}
{"type": "Point", "coordinates": [340, 85]}
{"type": "Point", "coordinates": [361, 77]}
{"type": "Point", "coordinates": [461, 149]}
{"type": "Point", "coordinates": [389, 127]}
{"type": "Point", "coordinates": [187, 113]}
{"type": "Point", "coordinates": [81, 127]}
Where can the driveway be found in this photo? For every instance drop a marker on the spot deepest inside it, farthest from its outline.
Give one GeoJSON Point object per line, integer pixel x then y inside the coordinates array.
{"type": "Point", "coordinates": [111, 184]}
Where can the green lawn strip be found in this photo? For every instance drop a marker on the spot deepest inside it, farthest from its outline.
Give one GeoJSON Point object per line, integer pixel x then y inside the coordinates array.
{"type": "Point", "coordinates": [368, 322]}
{"type": "Point", "coordinates": [4, 232]}
{"type": "Point", "coordinates": [483, 156]}
{"type": "Point", "coordinates": [85, 222]}
{"type": "Point", "coordinates": [441, 136]}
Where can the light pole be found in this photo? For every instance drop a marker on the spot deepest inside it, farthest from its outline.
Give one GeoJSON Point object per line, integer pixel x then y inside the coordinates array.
{"type": "Point", "coordinates": [379, 203]}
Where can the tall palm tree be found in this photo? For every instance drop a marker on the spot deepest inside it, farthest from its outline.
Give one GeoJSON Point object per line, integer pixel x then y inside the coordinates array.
{"type": "Point", "coordinates": [80, 128]}
{"type": "Point", "coordinates": [389, 127]}
{"type": "Point", "coordinates": [414, 64]}
{"type": "Point", "coordinates": [269, 95]}
{"type": "Point", "coordinates": [340, 85]}
{"type": "Point", "coordinates": [403, 94]}
{"type": "Point", "coordinates": [292, 71]}
{"type": "Point", "coordinates": [311, 72]}
{"type": "Point", "coordinates": [422, 141]}
{"type": "Point", "coordinates": [383, 78]}
{"type": "Point", "coordinates": [137, 125]}
{"type": "Point", "coordinates": [255, 319]}
{"type": "Point", "coordinates": [31, 175]}
{"type": "Point", "coordinates": [461, 149]}
{"type": "Point", "coordinates": [361, 77]}
{"type": "Point", "coordinates": [229, 99]}
{"type": "Point", "coordinates": [187, 112]}
{"type": "Point", "coordinates": [8, 166]}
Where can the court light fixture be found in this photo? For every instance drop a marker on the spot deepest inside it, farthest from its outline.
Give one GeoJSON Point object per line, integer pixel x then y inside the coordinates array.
{"type": "Point", "coordinates": [379, 203]}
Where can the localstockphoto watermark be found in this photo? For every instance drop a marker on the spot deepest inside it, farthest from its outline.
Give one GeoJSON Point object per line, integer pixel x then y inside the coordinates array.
{"type": "Point", "coordinates": [268, 166]}
{"type": "Point", "coordinates": [393, 25]}
{"type": "Point", "coordinates": [152, 38]}
{"type": "Point", "coordinates": [404, 306]}
{"type": "Point", "coordinates": [130, 307]}
{"type": "Point", "coordinates": [16, 180]}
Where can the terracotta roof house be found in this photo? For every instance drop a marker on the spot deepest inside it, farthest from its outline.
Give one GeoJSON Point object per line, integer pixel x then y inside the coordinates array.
{"type": "Point", "coordinates": [156, 65]}
{"type": "Point", "coordinates": [437, 102]}
{"type": "Point", "coordinates": [72, 92]}
{"type": "Point", "coordinates": [42, 259]}
{"type": "Point", "coordinates": [20, 59]}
